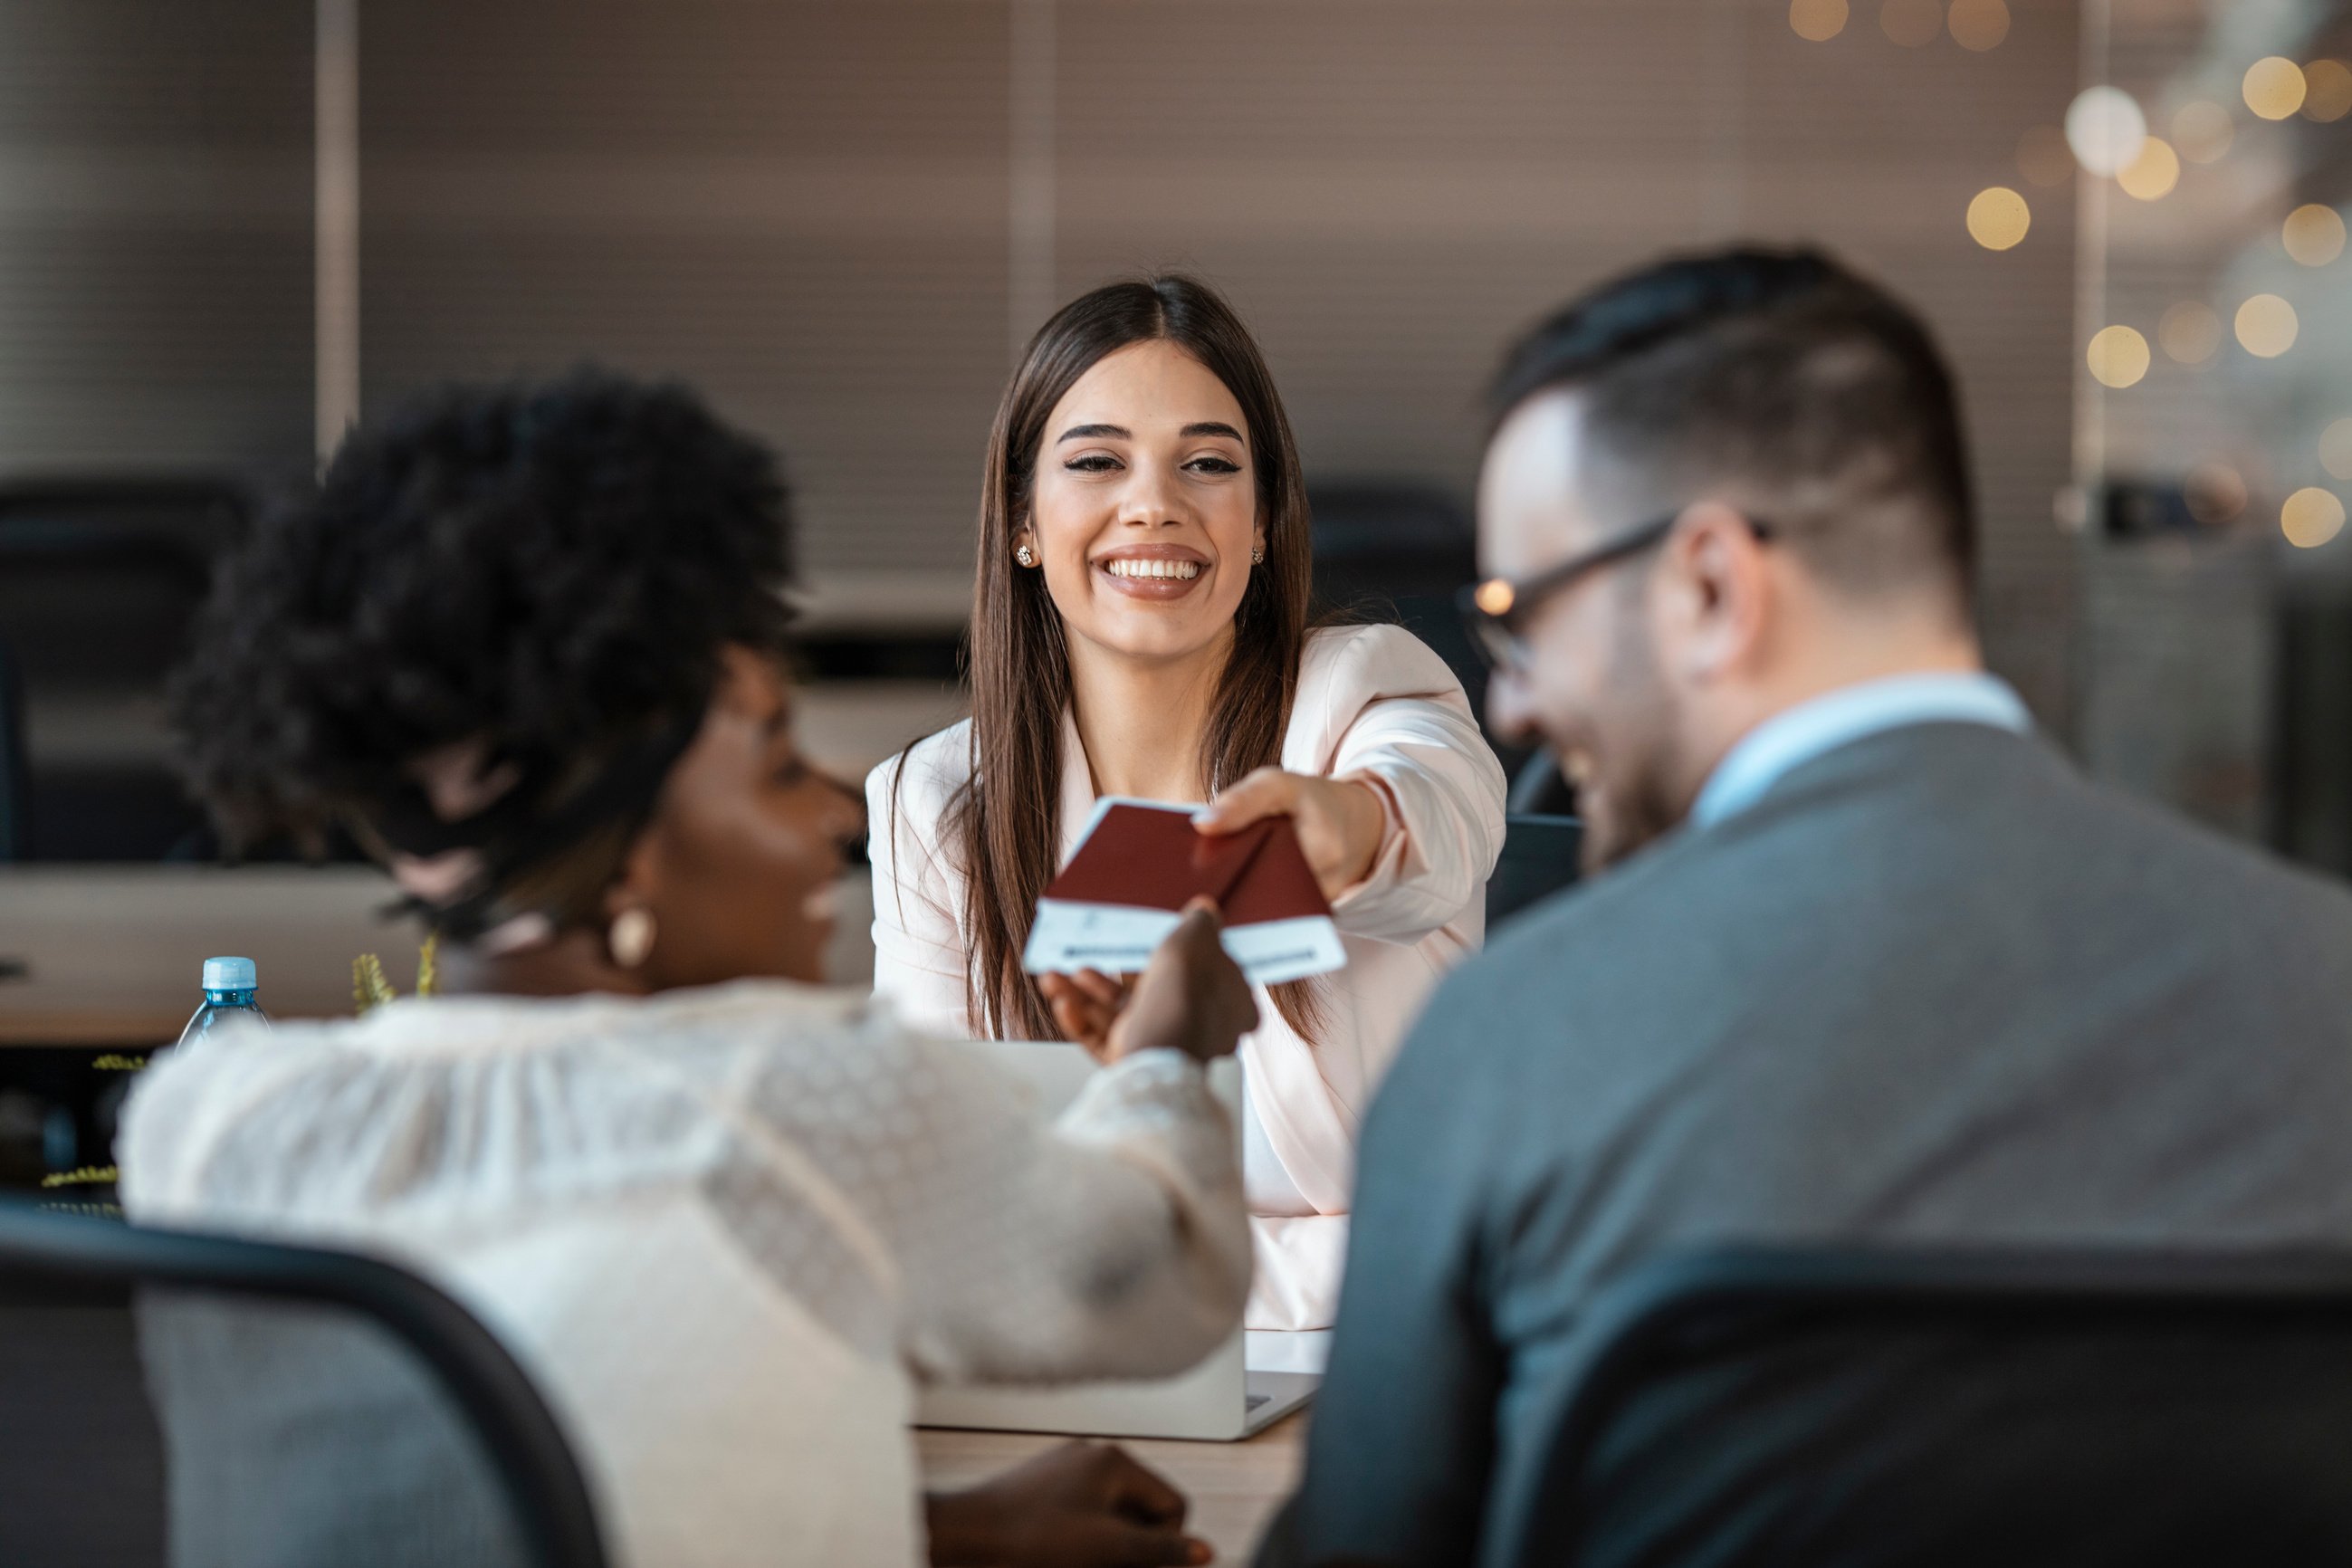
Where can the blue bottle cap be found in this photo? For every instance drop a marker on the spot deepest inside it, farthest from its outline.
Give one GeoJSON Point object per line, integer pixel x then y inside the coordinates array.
{"type": "Point", "coordinates": [230, 974]}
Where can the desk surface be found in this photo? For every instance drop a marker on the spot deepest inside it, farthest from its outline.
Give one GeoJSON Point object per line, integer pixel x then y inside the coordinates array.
{"type": "Point", "coordinates": [1235, 1487]}
{"type": "Point", "coordinates": [114, 957]}
{"type": "Point", "coordinates": [114, 954]}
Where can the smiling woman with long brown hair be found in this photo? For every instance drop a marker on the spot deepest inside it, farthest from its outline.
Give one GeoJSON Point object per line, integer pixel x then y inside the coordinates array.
{"type": "Point", "coordinates": [1140, 628]}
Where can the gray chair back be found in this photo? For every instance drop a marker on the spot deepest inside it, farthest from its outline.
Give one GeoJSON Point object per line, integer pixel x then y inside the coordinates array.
{"type": "Point", "coordinates": [218, 1402]}
{"type": "Point", "coordinates": [2089, 1410]}
{"type": "Point", "coordinates": [100, 581]}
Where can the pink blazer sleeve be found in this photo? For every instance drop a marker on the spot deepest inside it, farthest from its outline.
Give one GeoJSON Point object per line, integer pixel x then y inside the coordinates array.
{"type": "Point", "coordinates": [1375, 702]}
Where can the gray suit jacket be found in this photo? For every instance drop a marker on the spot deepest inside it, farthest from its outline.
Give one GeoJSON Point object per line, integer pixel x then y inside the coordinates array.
{"type": "Point", "coordinates": [1934, 987]}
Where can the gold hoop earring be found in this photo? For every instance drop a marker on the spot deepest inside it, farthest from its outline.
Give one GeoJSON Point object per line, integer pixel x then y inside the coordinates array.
{"type": "Point", "coordinates": [1027, 556]}
{"type": "Point", "coordinates": [630, 937]}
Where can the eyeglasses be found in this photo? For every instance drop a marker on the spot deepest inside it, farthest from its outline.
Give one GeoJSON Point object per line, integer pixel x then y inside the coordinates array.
{"type": "Point", "coordinates": [1496, 611]}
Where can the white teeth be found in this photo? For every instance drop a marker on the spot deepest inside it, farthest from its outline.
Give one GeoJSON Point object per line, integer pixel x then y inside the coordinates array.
{"type": "Point", "coordinates": [1577, 767]}
{"type": "Point", "coordinates": [1135, 566]}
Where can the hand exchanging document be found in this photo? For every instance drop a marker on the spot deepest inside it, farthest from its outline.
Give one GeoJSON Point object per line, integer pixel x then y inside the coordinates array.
{"type": "Point", "coordinates": [1339, 821]}
{"type": "Point", "coordinates": [1191, 997]}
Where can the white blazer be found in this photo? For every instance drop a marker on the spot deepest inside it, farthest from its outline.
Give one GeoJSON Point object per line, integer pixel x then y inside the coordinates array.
{"type": "Point", "coordinates": [1372, 701]}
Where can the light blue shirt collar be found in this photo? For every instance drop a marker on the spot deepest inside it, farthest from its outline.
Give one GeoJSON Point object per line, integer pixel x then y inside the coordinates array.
{"type": "Point", "coordinates": [1765, 754]}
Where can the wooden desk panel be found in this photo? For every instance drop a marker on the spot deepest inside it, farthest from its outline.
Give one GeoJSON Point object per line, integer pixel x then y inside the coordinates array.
{"type": "Point", "coordinates": [114, 955]}
{"type": "Point", "coordinates": [1235, 1488]}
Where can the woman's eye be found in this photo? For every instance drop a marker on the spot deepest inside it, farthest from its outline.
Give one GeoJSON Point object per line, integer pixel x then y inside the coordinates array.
{"type": "Point", "coordinates": [1215, 465]}
{"type": "Point", "coordinates": [1092, 463]}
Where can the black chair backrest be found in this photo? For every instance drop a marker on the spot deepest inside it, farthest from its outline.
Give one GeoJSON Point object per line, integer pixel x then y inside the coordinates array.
{"type": "Point", "coordinates": [1392, 553]}
{"type": "Point", "coordinates": [99, 583]}
{"type": "Point", "coordinates": [15, 793]}
{"type": "Point", "coordinates": [1925, 1409]}
{"type": "Point", "coordinates": [1539, 859]}
{"type": "Point", "coordinates": [219, 1401]}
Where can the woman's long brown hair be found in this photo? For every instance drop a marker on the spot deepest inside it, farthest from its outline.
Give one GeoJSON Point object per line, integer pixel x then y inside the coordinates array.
{"type": "Point", "coordinates": [1004, 826]}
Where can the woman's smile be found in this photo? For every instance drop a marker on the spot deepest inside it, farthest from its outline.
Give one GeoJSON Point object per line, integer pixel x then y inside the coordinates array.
{"type": "Point", "coordinates": [1152, 572]}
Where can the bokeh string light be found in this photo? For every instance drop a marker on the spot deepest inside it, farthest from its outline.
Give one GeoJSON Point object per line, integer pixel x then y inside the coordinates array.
{"type": "Point", "coordinates": [2326, 90]}
{"type": "Point", "coordinates": [2335, 448]}
{"type": "Point", "coordinates": [2312, 234]}
{"type": "Point", "coordinates": [2106, 129]}
{"type": "Point", "coordinates": [2151, 175]}
{"type": "Point", "coordinates": [2203, 131]}
{"type": "Point", "coordinates": [2107, 134]}
{"type": "Point", "coordinates": [1817, 21]}
{"type": "Point", "coordinates": [2310, 517]}
{"type": "Point", "coordinates": [1978, 25]}
{"type": "Point", "coordinates": [1999, 217]}
{"type": "Point", "coordinates": [2118, 357]}
{"type": "Point", "coordinates": [2189, 333]}
{"type": "Point", "coordinates": [2274, 87]}
{"type": "Point", "coordinates": [2267, 326]}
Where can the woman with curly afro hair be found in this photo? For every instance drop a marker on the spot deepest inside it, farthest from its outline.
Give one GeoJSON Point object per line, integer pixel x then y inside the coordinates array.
{"type": "Point", "coordinates": [526, 645]}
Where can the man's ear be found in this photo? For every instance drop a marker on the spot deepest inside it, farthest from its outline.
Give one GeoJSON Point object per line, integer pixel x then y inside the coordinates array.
{"type": "Point", "coordinates": [1718, 591]}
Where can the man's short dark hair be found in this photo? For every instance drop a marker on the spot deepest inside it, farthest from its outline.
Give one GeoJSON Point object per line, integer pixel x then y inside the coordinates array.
{"type": "Point", "coordinates": [1778, 381]}
{"type": "Point", "coordinates": [555, 567]}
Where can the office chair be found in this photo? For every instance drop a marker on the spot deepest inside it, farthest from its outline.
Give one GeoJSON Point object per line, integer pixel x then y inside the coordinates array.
{"type": "Point", "coordinates": [1392, 553]}
{"type": "Point", "coordinates": [100, 581]}
{"type": "Point", "coordinates": [15, 799]}
{"type": "Point", "coordinates": [1925, 1409]}
{"type": "Point", "coordinates": [1540, 789]}
{"type": "Point", "coordinates": [211, 1400]}
{"type": "Point", "coordinates": [1539, 859]}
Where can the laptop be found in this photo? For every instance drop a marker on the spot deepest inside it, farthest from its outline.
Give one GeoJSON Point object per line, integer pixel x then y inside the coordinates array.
{"type": "Point", "coordinates": [1218, 1400]}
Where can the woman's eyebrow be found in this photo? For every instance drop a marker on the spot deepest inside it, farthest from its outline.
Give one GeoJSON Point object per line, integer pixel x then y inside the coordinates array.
{"type": "Point", "coordinates": [1087, 432]}
{"type": "Point", "coordinates": [1212, 428]}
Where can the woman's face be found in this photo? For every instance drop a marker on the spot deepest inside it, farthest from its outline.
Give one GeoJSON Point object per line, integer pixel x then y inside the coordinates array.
{"type": "Point", "coordinates": [741, 862]}
{"type": "Point", "coordinates": [1143, 509]}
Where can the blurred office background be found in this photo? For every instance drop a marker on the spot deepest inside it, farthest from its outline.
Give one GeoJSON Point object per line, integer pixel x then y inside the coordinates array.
{"type": "Point", "coordinates": [229, 227]}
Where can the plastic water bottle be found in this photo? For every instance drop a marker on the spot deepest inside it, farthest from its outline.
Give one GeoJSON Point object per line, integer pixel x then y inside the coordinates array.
{"type": "Point", "coordinates": [229, 985]}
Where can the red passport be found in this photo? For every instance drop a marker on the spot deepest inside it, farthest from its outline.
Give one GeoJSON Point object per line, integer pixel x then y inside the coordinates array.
{"type": "Point", "coordinates": [1139, 862]}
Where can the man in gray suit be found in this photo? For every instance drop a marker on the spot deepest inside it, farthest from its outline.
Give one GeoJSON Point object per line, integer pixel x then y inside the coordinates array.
{"type": "Point", "coordinates": [1861, 961]}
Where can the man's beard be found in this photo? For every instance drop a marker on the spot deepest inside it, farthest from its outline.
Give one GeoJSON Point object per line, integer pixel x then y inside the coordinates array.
{"type": "Point", "coordinates": [1632, 797]}
{"type": "Point", "coordinates": [1623, 816]}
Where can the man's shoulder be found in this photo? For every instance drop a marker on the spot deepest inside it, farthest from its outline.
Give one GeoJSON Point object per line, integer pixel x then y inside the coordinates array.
{"type": "Point", "coordinates": [1986, 801]}
{"type": "Point", "coordinates": [1930, 844]}
{"type": "Point", "coordinates": [1578, 960]}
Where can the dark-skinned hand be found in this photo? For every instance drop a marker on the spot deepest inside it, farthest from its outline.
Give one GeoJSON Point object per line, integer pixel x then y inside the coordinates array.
{"type": "Point", "coordinates": [1082, 1505]}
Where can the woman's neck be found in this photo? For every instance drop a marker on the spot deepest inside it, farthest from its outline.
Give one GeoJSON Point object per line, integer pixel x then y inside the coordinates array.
{"type": "Point", "coordinates": [570, 964]}
{"type": "Point", "coordinates": [1144, 721]}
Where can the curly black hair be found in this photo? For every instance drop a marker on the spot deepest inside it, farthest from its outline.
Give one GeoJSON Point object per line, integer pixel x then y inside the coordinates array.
{"type": "Point", "coordinates": [551, 569]}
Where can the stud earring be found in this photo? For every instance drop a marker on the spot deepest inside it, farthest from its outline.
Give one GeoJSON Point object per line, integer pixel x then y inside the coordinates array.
{"type": "Point", "coordinates": [1027, 556]}
{"type": "Point", "coordinates": [630, 937]}
{"type": "Point", "coordinates": [1257, 555]}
